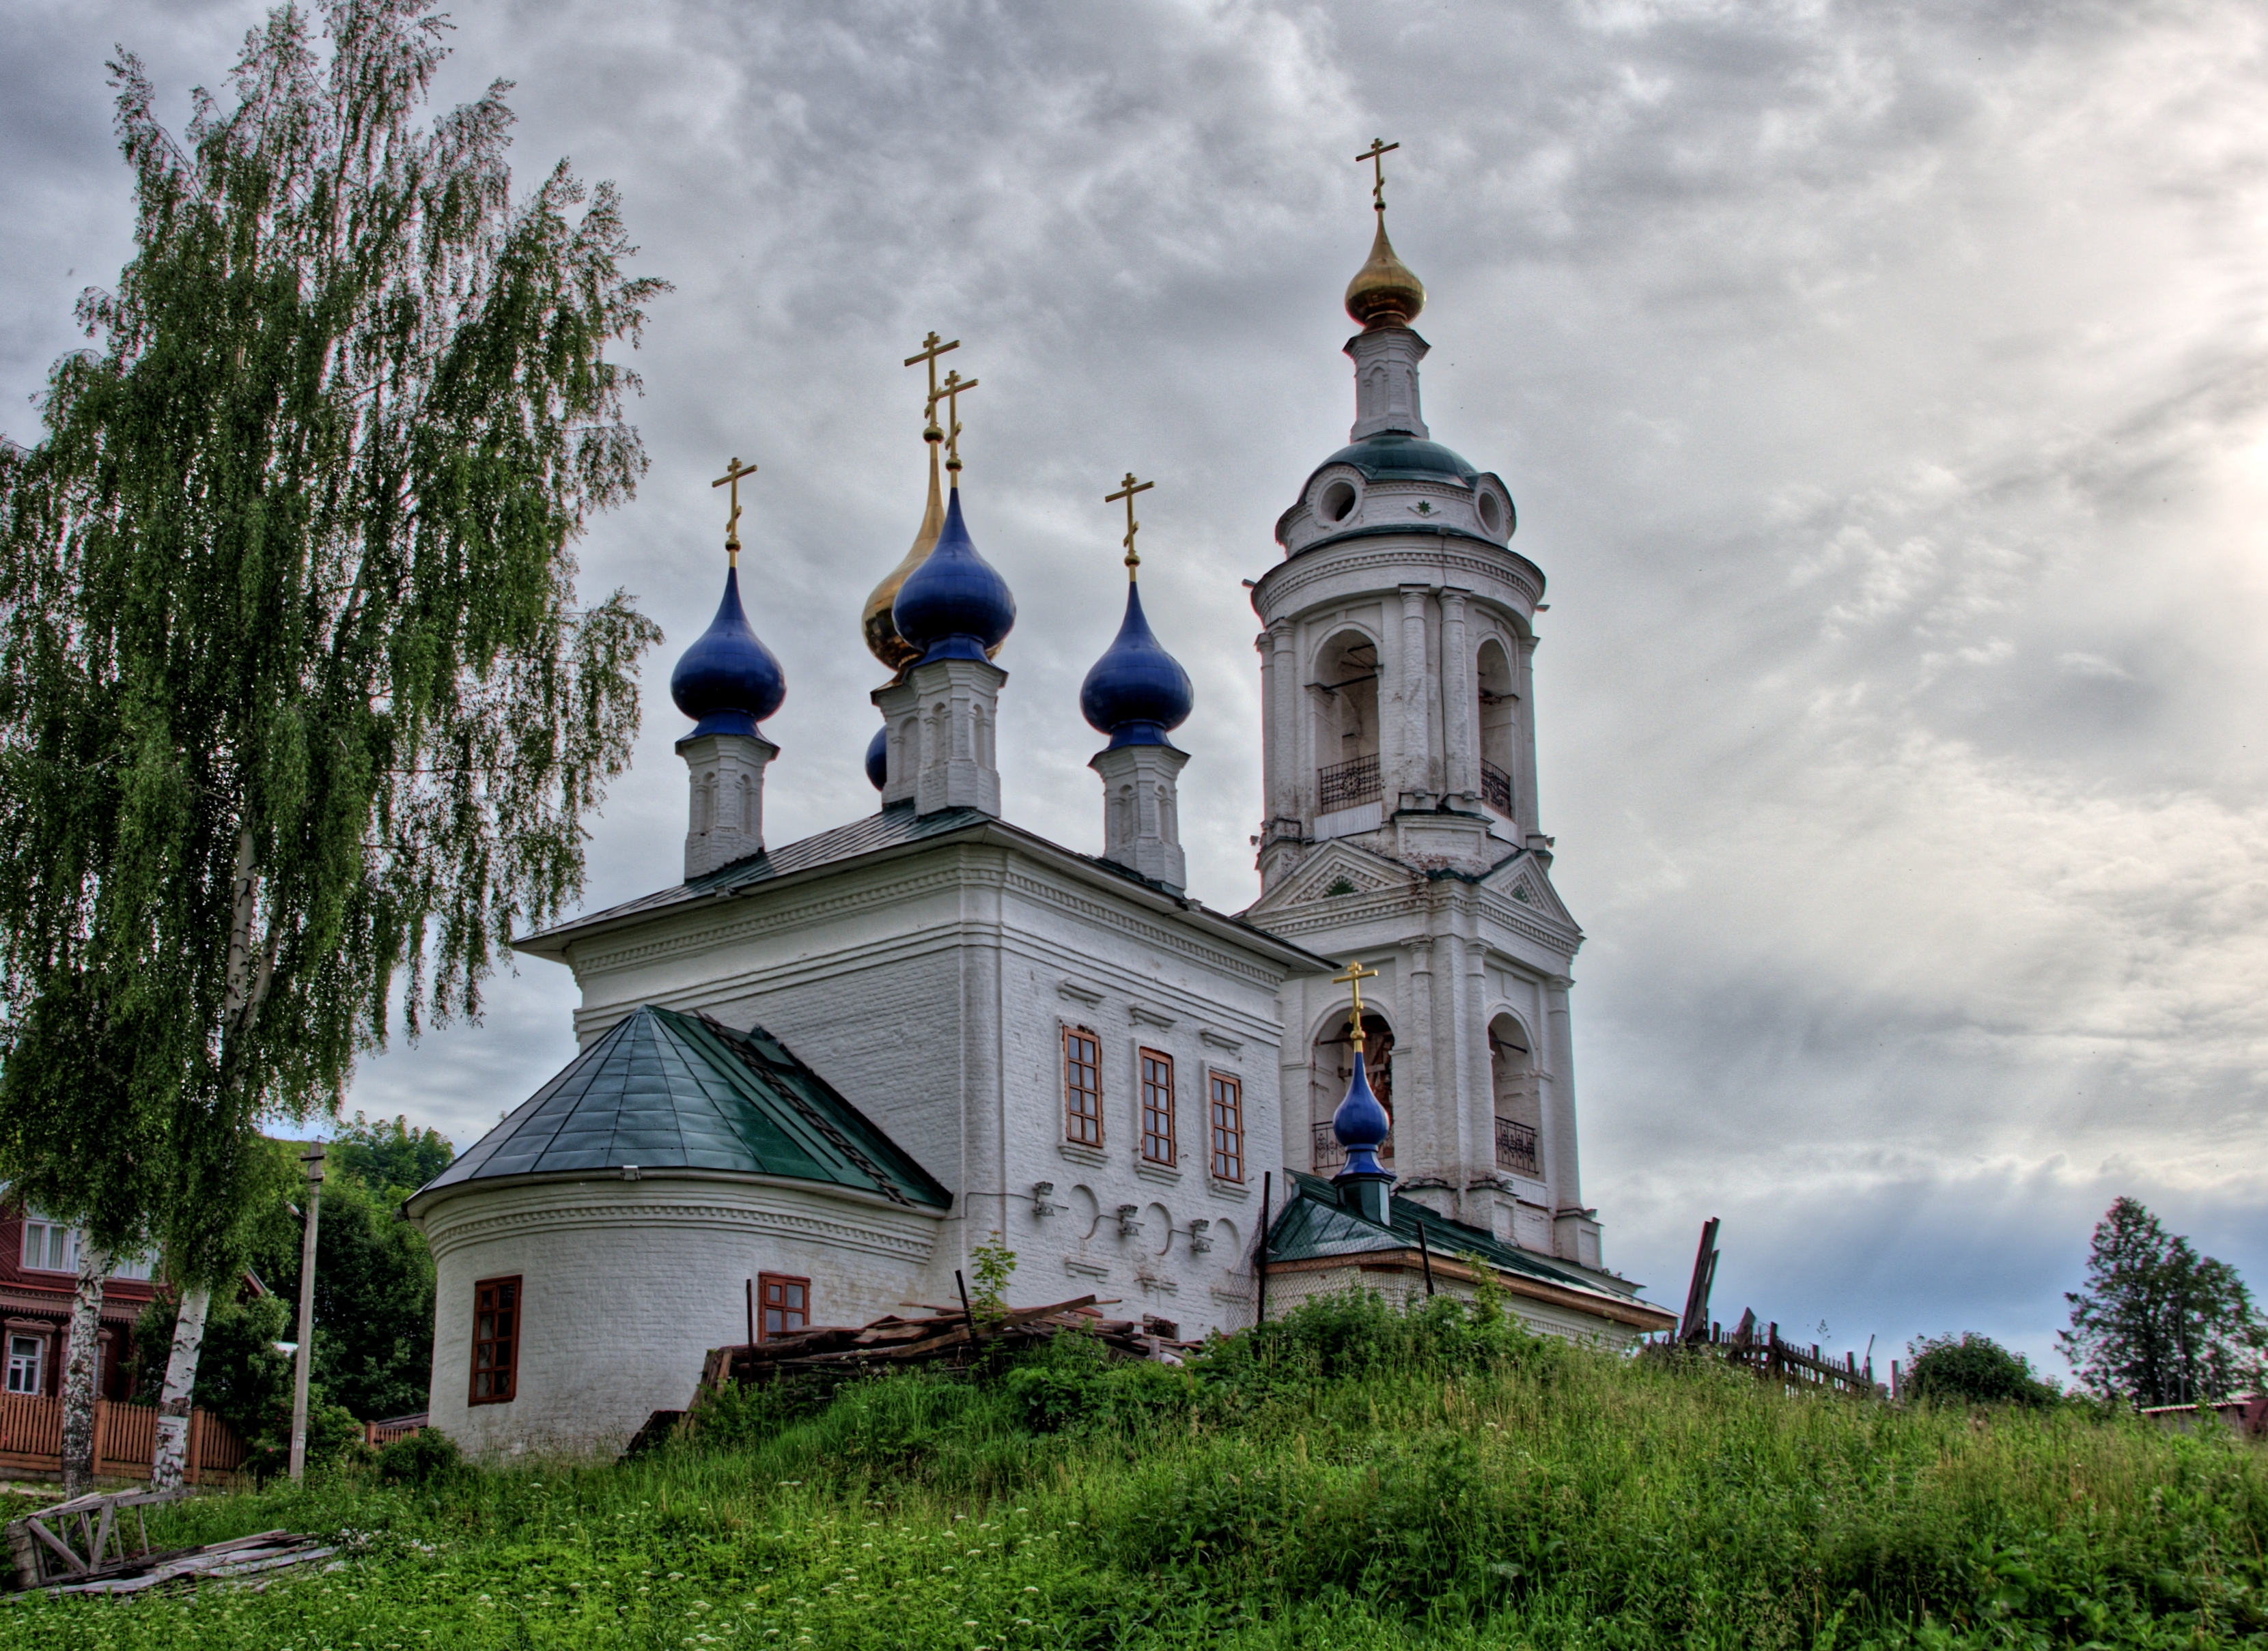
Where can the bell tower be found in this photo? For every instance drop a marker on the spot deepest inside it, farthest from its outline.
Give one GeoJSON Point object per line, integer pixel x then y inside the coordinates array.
{"type": "Point", "coordinates": [1402, 826]}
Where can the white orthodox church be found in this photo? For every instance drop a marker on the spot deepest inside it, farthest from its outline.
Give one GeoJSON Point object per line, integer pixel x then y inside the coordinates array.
{"type": "Point", "coordinates": [815, 1077]}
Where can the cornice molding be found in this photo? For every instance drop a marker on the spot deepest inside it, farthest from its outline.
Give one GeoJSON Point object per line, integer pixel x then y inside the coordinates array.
{"type": "Point", "coordinates": [447, 1236]}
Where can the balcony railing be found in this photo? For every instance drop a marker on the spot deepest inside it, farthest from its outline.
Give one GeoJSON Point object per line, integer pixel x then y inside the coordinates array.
{"type": "Point", "coordinates": [1346, 784]}
{"type": "Point", "coordinates": [1496, 787]}
{"type": "Point", "coordinates": [1330, 1155]}
{"type": "Point", "coordinates": [1515, 1148]}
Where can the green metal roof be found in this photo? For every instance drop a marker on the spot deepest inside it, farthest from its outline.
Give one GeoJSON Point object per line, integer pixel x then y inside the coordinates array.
{"type": "Point", "coordinates": [1315, 1224]}
{"type": "Point", "coordinates": [665, 1091]}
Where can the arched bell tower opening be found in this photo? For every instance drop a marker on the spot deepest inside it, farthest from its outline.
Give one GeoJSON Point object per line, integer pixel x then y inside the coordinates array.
{"type": "Point", "coordinates": [1519, 1103]}
{"type": "Point", "coordinates": [1343, 695]}
{"type": "Point", "coordinates": [1332, 1068]}
{"type": "Point", "coordinates": [1497, 703]}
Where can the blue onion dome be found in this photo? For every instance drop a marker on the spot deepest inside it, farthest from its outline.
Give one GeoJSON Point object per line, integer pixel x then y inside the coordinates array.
{"type": "Point", "coordinates": [1136, 693]}
{"type": "Point", "coordinates": [877, 758]}
{"type": "Point", "coordinates": [955, 605]}
{"type": "Point", "coordinates": [1361, 1125]}
{"type": "Point", "coordinates": [728, 681]}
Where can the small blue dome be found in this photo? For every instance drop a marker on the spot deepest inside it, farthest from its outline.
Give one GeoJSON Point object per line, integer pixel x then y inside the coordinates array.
{"type": "Point", "coordinates": [1136, 693]}
{"type": "Point", "coordinates": [1361, 1125]}
{"type": "Point", "coordinates": [955, 605]}
{"type": "Point", "coordinates": [877, 758]}
{"type": "Point", "coordinates": [728, 681]}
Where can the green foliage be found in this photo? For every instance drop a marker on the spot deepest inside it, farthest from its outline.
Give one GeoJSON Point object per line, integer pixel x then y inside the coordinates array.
{"type": "Point", "coordinates": [387, 1157]}
{"type": "Point", "coordinates": [2158, 1323]}
{"type": "Point", "coordinates": [1973, 1369]}
{"type": "Point", "coordinates": [425, 1457]}
{"type": "Point", "coordinates": [295, 690]}
{"type": "Point", "coordinates": [994, 1264]}
{"type": "Point", "coordinates": [241, 1376]}
{"type": "Point", "coordinates": [1460, 1486]}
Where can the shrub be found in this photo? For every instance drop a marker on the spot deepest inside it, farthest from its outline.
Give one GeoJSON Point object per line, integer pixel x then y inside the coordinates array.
{"type": "Point", "coordinates": [1973, 1369]}
{"type": "Point", "coordinates": [425, 1457]}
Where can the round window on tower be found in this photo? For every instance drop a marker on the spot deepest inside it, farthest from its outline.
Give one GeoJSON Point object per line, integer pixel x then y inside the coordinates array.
{"type": "Point", "coordinates": [1491, 514]}
{"type": "Point", "coordinates": [1339, 500]}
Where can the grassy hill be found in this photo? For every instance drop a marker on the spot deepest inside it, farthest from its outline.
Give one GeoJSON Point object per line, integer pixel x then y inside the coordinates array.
{"type": "Point", "coordinates": [1348, 1477]}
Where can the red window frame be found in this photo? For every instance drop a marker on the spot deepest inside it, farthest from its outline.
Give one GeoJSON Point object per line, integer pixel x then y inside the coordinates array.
{"type": "Point", "coordinates": [783, 1304]}
{"type": "Point", "coordinates": [1082, 1086]}
{"type": "Point", "coordinates": [499, 1315]}
{"type": "Point", "coordinates": [1157, 1069]}
{"type": "Point", "coordinates": [1227, 1121]}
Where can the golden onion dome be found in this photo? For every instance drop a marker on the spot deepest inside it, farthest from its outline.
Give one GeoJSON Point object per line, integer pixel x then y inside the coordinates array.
{"type": "Point", "coordinates": [1385, 292]}
{"type": "Point", "coordinates": [881, 632]}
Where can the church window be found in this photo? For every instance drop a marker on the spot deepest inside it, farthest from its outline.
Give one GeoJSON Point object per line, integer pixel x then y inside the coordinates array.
{"type": "Point", "coordinates": [496, 1340]}
{"type": "Point", "coordinates": [1227, 1127]}
{"type": "Point", "coordinates": [786, 1305]}
{"type": "Point", "coordinates": [1157, 1106]}
{"type": "Point", "coordinates": [1082, 1086]}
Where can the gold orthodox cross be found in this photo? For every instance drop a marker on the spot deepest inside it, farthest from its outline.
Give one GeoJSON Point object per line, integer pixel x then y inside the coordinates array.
{"type": "Point", "coordinates": [1127, 492]}
{"type": "Point", "coordinates": [734, 471]}
{"type": "Point", "coordinates": [1354, 977]}
{"type": "Point", "coordinates": [1376, 156]}
{"type": "Point", "coordinates": [931, 350]}
{"type": "Point", "coordinates": [953, 389]}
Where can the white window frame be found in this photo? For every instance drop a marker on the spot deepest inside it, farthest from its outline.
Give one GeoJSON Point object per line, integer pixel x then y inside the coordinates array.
{"type": "Point", "coordinates": [36, 1370]}
{"type": "Point", "coordinates": [37, 1254]}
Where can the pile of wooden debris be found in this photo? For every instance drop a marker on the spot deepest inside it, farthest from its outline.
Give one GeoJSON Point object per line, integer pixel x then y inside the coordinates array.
{"type": "Point", "coordinates": [79, 1547]}
{"type": "Point", "coordinates": [951, 1335]}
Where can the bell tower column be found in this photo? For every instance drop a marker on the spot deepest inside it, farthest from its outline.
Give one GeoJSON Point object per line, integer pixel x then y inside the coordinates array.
{"type": "Point", "coordinates": [1461, 776]}
{"type": "Point", "coordinates": [1413, 776]}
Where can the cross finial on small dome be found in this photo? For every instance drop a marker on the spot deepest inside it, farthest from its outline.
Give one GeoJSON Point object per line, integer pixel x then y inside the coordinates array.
{"type": "Point", "coordinates": [1376, 156]}
{"type": "Point", "coordinates": [1127, 490]}
{"type": "Point", "coordinates": [734, 471]}
{"type": "Point", "coordinates": [1354, 977]}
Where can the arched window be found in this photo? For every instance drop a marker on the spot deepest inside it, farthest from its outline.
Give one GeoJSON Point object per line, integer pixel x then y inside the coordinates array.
{"type": "Point", "coordinates": [1493, 678]}
{"type": "Point", "coordinates": [1518, 1106]}
{"type": "Point", "coordinates": [1343, 693]}
{"type": "Point", "coordinates": [1330, 1068]}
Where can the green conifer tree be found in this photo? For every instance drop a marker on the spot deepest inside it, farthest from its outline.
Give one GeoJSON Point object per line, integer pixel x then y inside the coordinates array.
{"type": "Point", "coordinates": [296, 697]}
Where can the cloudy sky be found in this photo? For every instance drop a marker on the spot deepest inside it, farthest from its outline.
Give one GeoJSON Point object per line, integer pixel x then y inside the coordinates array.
{"type": "Point", "coordinates": [1882, 388]}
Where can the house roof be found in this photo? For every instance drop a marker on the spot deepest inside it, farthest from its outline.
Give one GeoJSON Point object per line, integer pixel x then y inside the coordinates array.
{"type": "Point", "coordinates": [896, 829]}
{"type": "Point", "coordinates": [664, 1091]}
{"type": "Point", "coordinates": [1315, 1225]}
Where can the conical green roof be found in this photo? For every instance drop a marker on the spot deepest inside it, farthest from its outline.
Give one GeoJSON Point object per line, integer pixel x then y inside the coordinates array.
{"type": "Point", "coordinates": [663, 1091]}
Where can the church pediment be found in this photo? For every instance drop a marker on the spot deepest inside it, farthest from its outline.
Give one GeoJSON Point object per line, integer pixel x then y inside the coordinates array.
{"type": "Point", "coordinates": [1336, 870]}
{"type": "Point", "coordinates": [1522, 880]}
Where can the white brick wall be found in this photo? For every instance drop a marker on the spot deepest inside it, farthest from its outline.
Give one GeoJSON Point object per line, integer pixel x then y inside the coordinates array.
{"type": "Point", "coordinates": [627, 1284]}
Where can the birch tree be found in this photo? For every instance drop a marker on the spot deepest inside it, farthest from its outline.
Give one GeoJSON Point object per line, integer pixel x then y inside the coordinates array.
{"type": "Point", "coordinates": [300, 713]}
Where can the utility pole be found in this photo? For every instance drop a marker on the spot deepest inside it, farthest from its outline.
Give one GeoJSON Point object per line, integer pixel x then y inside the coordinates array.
{"type": "Point", "coordinates": [314, 1159]}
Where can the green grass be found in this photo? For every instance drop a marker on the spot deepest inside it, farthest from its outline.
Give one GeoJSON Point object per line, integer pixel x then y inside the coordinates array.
{"type": "Point", "coordinates": [1351, 1477]}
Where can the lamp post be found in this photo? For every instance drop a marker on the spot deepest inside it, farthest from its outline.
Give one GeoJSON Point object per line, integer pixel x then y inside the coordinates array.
{"type": "Point", "coordinates": [314, 1159]}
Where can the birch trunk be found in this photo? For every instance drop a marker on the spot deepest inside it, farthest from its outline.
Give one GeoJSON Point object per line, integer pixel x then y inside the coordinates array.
{"type": "Point", "coordinates": [79, 1370]}
{"type": "Point", "coordinates": [171, 1462]}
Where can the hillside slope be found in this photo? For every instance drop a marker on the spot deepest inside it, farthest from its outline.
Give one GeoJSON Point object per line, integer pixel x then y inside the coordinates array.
{"type": "Point", "coordinates": [1351, 1477]}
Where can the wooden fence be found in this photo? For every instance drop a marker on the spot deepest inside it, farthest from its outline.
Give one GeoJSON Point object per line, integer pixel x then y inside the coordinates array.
{"type": "Point", "coordinates": [125, 1440]}
{"type": "Point", "coordinates": [1794, 1367]}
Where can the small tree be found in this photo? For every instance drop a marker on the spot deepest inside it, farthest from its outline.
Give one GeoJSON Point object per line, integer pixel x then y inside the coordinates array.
{"type": "Point", "coordinates": [295, 692]}
{"type": "Point", "coordinates": [2158, 1323]}
{"type": "Point", "coordinates": [1973, 1369]}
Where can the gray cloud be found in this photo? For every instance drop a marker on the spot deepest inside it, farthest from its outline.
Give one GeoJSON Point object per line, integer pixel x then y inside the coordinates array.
{"type": "Point", "coordinates": [1883, 394]}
